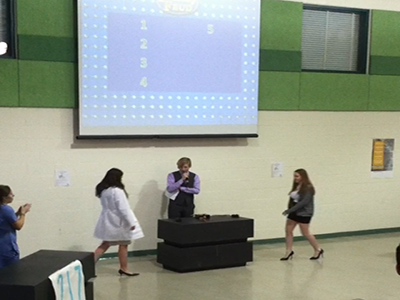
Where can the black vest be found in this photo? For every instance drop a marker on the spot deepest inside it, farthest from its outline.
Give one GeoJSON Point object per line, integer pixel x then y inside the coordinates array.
{"type": "Point", "coordinates": [184, 198]}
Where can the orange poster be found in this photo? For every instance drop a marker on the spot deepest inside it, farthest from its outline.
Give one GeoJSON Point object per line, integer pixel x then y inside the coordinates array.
{"type": "Point", "coordinates": [382, 158]}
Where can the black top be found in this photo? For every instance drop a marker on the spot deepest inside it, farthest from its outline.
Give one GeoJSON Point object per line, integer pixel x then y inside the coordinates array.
{"type": "Point", "coordinates": [184, 198]}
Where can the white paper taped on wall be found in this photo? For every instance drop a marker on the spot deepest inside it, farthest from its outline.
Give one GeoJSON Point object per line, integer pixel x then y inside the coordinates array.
{"type": "Point", "coordinates": [68, 283]}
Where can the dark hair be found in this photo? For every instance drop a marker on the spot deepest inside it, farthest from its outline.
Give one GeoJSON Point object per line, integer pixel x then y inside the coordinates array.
{"type": "Point", "coordinates": [112, 179]}
{"type": "Point", "coordinates": [398, 255]}
{"type": "Point", "coordinates": [5, 190]}
{"type": "Point", "coordinates": [306, 185]}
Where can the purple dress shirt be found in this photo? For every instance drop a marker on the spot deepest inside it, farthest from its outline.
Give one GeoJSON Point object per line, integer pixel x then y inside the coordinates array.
{"type": "Point", "coordinates": [173, 186]}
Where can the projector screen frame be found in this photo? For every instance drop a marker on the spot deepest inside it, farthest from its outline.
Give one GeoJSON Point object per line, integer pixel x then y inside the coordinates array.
{"type": "Point", "coordinates": [160, 137]}
{"type": "Point", "coordinates": [89, 136]}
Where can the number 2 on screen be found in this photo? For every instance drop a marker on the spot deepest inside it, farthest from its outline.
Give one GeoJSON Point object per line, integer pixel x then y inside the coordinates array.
{"type": "Point", "coordinates": [143, 44]}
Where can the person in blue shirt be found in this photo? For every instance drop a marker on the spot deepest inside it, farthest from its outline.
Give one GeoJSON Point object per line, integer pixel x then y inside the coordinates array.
{"type": "Point", "coordinates": [10, 221]}
{"type": "Point", "coordinates": [398, 259]}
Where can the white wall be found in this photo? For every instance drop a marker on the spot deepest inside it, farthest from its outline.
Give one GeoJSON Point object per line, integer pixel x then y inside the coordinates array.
{"type": "Point", "coordinates": [364, 4]}
{"type": "Point", "coordinates": [334, 147]}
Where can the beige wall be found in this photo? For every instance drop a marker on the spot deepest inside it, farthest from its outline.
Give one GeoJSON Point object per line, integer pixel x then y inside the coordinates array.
{"type": "Point", "coordinates": [236, 174]}
{"type": "Point", "coordinates": [334, 147]}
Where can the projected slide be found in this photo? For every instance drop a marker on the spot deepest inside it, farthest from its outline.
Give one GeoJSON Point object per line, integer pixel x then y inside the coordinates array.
{"type": "Point", "coordinates": [168, 68]}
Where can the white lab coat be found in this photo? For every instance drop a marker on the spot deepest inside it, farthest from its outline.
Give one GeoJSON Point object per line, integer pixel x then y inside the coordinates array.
{"type": "Point", "coordinates": [116, 218]}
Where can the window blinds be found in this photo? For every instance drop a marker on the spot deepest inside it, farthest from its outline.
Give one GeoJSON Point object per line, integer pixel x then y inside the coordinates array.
{"type": "Point", "coordinates": [3, 21]}
{"type": "Point", "coordinates": [330, 40]}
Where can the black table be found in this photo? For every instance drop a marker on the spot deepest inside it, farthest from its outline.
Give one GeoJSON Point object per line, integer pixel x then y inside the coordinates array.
{"type": "Point", "coordinates": [27, 279]}
{"type": "Point", "coordinates": [194, 245]}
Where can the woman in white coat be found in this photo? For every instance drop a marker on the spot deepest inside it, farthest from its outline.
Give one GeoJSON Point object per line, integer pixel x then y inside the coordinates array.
{"type": "Point", "coordinates": [117, 224]}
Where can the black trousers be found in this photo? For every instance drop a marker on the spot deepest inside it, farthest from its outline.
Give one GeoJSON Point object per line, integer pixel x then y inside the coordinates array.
{"type": "Point", "coordinates": [180, 210]}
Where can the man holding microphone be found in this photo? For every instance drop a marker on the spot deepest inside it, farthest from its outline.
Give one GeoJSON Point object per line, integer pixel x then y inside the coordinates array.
{"type": "Point", "coordinates": [182, 185]}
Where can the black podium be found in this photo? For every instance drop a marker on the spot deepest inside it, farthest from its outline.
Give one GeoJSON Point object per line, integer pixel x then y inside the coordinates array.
{"type": "Point", "coordinates": [194, 245]}
{"type": "Point", "coordinates": [27, 279]}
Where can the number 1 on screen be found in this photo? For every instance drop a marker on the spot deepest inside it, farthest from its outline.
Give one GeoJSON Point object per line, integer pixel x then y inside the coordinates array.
{"type": "Point", "coordinates": [144, 25]}
{"type": "Point", "coordinates": [210, 29]}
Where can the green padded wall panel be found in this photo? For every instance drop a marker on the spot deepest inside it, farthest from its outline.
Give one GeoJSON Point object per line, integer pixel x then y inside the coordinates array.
{"type": "Point", "coordinates": [385, 39]}
{"type": "Point", "coordinates": [275, 60]}
{"type": "Point", "coordinates": [47, 17]}
{"type": "Point", "coordinates": [281, 25]}
{"type": "Point", "coordinates": [8, 82]}
{"type": "Point", "coordinates": [384, 93]}
{"type": "Point", "coordinates": [45, 48]}
{"type": "Point", "coordinates": [48, 84]}
{"type": "Point", "coordinates": [334, 92]}
{"type": "Point", "coordinates": [279, 91]}
{"type": "Point", "coordinates": [385, 65]}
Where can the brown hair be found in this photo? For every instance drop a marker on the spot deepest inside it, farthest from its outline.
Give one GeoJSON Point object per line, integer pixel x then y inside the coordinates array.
{"type": "Point", "coordinates": [306, 185]}
{"type": "Point", "coordinates": [184, 161]}
{"type": "Point", "coordinates": [5, 190]}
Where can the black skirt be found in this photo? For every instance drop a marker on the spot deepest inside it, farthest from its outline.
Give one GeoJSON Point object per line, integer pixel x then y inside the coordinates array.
{"type": "Point", "coordinates": [299, 219]}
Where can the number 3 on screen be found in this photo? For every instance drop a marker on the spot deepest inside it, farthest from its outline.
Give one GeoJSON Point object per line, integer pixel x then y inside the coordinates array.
{"type": "Point", "coordinates": [143, 62]}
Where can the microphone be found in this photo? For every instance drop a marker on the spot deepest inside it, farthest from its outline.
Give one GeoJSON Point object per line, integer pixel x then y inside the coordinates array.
{"type": "Point", "coordinates": [186, 179]}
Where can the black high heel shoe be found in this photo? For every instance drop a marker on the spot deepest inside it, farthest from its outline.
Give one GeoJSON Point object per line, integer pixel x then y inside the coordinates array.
{"type": "Point", "coordinates": [290, 256]}
{"type": "Point", "coordinates": [320, 254]}
{"type": "Point", "coordinates": [121, 272]}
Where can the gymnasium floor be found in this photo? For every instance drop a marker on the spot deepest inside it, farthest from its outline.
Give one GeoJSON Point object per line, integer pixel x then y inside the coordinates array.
{"type": "Point", "coordinates": [353, 268]}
